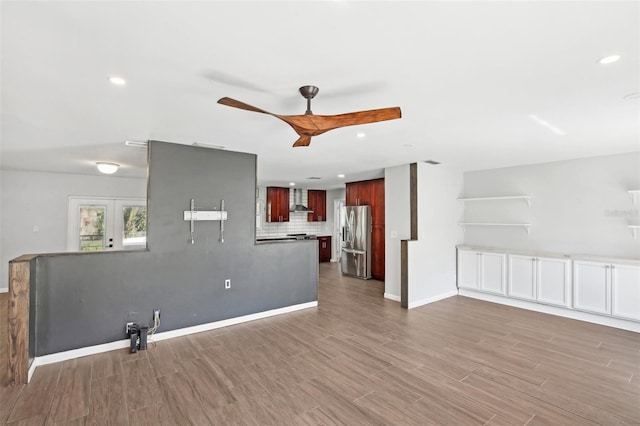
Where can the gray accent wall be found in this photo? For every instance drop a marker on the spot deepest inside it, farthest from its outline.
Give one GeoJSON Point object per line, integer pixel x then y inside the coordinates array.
{"type": "Point", "coordinates": [86, 299]}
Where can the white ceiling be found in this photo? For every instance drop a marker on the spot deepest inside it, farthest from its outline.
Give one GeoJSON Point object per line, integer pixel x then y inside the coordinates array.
{"type": "Point", "coordinates": [467, 76]}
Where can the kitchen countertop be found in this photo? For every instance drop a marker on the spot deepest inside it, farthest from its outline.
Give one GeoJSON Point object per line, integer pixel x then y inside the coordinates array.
{"type": "Point", "coordinates": [584, 257]}
{"type": "Point", "coordinates": [285, 238]}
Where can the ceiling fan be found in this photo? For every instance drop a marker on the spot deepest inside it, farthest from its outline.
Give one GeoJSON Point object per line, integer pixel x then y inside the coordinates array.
{"type": "Point", "coordinates": [308, 124]}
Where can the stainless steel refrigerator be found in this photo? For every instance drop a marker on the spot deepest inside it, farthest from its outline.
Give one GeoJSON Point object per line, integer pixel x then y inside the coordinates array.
{"type": "Point", "coordinates": [355, 257]}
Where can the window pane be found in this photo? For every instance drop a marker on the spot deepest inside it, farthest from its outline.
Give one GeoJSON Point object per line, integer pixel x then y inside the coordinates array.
{"type": "Point", "coordinates": [134, 234]}
{"type": "Point", "coordinates": [92, 228]}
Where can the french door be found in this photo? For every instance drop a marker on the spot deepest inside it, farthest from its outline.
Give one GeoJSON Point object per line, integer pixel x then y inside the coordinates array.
{"type": "Point", "coordinates": [103, 224]}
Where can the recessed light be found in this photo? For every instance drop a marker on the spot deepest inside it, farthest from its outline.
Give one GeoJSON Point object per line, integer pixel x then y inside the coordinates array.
{"type": "Point", "coordinates": [635, 95]}
{"type": "Point", "coordinates": [107, 168]}
{"type": "Point", "coordinates": [292, 184]}
{"type": "Point", "coordinates": [117, 81]}
{"type": "Point", "coordinates": [341, 175]}
{"type": "Point", "coordinates": [361, 135]}
{"type": "Point", "coordinates": [609, 59]}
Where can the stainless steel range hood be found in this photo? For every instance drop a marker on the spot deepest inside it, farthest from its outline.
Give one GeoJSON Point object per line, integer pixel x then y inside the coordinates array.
{"type": "Point", "coordinates": [297, 206]}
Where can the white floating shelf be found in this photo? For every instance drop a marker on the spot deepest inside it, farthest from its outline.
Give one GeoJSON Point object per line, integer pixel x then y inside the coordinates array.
{"type": "Point", "coordinates": [635, 193]}
{"type": "Point", "coordinates": [527, 198]}
{"type": "Point", "coordinates": [634, 229]}
{"type": "Point", "coordinates": [526, 226]}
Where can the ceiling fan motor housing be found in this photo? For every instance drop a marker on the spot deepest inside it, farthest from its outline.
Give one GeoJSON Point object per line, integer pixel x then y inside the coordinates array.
{"type": "Point", "coordinates": [308, 92]}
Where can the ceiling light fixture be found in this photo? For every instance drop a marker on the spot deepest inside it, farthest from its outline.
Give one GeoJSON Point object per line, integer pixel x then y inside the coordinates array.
{"type": "Point", "coordinates": [117, 81]}
{"type": "Point", "coordinates": [609, 59]}
{"type": "Point", "coordinates": [139, 144]}
{"type": "Point", "coordinates": [361, 135]}
{"type": "Point", "coordinates": [545, 123]}
{"type": "Point", "coordinates": [292, 184]}
{"type": "Point", "coordinates": [107, 168]}
{"type": "Point", "coordinates": [341, 175]}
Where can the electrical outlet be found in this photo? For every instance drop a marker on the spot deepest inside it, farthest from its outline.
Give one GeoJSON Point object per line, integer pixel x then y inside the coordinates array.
{"type": "Point", "coordinates": [128, 328]}
{"type": "Point", "coordinates": [227, 284]}
{"type": "Point", "coordinates": [156, 315]}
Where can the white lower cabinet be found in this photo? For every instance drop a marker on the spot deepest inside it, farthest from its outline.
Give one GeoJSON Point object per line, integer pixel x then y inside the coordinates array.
{"type": "Point", "coordinates": [468, 269]}
{"type": "Point", "coordinates": [494, 272]}
{"type": "Point", "coordinates": [522, 277]}
{"type": "Point", "coordinates": [540, 279]}
{"type": "Point", "coordinates": [603, 288]}
{"type": "Point", "coordinates": [606, 288]}
{"type": "Point", "coordinates": [592, 286]}
{"type": "Point", "coordinates": [482, 271]}
{"type": "Point", "coordinates": [553, 281]}
{"type": "Point", "coordinates": [625, 291]}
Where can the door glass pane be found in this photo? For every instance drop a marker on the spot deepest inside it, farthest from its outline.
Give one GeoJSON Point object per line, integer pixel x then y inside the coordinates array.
{"type": "Point", "coordinates": [134, 232]}
{"type": "Point", "coordinates": [92, 228]}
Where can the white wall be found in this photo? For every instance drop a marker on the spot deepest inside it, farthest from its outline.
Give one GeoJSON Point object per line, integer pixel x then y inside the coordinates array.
{"type": "Point", "coordinates": [578, 206]}
{"type": "Point", "coordinates": [397, 224]}
{"type": "Point", "coordinates": [432, 258]}
{"type": "Point", "coordinates": [328, 227]}
{"type": "Point", "coordinates": [29, 199]}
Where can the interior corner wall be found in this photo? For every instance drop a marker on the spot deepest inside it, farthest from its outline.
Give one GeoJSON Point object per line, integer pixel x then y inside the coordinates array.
{"type": "Point", "coordinates": [85, 299]}
{"type": "Point", "coordinates": [37, 200]}
{"type": "Point", "coordinates": [578, 206]}
{"type": "Point", "coordinates": [397, 224]}
{"type": "Point", "coordinates": [432, 258]}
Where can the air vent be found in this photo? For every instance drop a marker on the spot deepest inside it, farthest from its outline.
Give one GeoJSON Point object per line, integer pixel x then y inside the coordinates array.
{"type": "Point", "coordinates": [314, 178]}
{"type": "Point", "coordinates": [431, 162]}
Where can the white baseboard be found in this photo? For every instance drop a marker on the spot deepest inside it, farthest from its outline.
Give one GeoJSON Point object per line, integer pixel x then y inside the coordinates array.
{"type": "Point", "coordinates": [422, 302]}
{"type": "Point", "coordinates": [392, 297]}
{"type": "Point", "coordinates": [554, 310]}
{"type": "Point", "coordinates": [4, 290]}
{"type": "Point", "coordinates": [120, 344]}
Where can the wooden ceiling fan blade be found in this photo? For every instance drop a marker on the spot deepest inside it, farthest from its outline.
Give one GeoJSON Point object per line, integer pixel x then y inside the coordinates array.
{"type": "Point", "coordinates": [303, 141]}
{"type": "Point", "coordinates": [354, 118]}
{"type": "Point", "coordinates": [314, 125]}
{"type": "Point", "coordinates": [241, 105]}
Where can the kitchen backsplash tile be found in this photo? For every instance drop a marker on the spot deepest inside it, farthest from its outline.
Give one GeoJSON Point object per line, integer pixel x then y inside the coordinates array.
{"type": "Point", "coordinates": [297, 222]}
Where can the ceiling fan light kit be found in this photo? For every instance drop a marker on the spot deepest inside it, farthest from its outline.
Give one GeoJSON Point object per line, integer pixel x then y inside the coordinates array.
{"type": "Point", "coordinates": [309, 124]}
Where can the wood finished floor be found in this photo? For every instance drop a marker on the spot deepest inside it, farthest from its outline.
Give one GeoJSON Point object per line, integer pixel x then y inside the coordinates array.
{"type": "Point", "coordinates": [357, 359]}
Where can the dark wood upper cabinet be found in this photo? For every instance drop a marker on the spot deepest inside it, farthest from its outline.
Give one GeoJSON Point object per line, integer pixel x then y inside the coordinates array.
{"type": "Point", "coordinates": [317, 201]}
{"type": "Point", "coordinates": [277, 204]}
